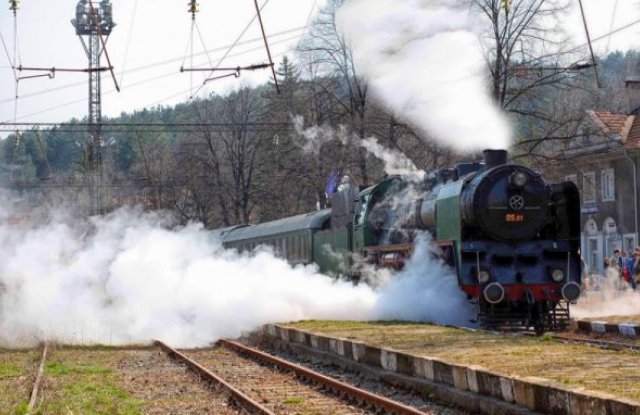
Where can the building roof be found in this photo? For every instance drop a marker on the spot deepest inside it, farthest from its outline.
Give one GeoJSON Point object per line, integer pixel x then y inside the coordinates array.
{"type": "Point", "coordinates": [626, 126]}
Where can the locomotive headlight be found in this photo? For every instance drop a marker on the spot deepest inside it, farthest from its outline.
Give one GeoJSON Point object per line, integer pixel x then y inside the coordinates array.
{"type": "Point", "coordinates": [519, 179]}
{"type": "Point", "coordinates": [557, 275]}
{"type": "Point", "coordinates": [483, 277]}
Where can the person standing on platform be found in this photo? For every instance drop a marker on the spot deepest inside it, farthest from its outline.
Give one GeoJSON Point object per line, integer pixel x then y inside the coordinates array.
{"type": "Point", "coordinates": [633, 268]}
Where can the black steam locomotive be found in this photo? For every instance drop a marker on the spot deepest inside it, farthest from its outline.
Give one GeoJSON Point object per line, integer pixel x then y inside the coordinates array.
{"type": "Point", "coordinates": [512, 239]}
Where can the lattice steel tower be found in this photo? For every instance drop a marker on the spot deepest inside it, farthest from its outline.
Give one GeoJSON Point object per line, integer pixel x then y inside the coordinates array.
{"type": "Point", "coordinates": [92, 22]}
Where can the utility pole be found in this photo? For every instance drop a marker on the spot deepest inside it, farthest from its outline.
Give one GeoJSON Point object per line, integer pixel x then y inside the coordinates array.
{"type": "Point", "coordinates": [92, 22]}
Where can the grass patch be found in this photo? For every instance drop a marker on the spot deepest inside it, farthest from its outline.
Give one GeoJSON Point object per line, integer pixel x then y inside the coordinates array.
{"type": "Point", "coordinates": [293, 400]}
{"type": "Point", "coordinates": [9, 370]}
{"type": "Point", "coordinates": [58, 368]}
{"type": "Point", "coordinates": [572, 365]}
{"type": "Point", "coordinates": [83, 381]}
{"type": "Point", "coordinates": [93, 399]}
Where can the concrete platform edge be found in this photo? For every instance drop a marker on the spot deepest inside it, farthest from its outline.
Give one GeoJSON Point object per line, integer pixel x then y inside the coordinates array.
{"type": "Point", "coordinates": [473, 388]}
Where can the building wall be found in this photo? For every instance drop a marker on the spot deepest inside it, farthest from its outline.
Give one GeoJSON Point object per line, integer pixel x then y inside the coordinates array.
{"type": "Point", "coordinates": [607, 224]}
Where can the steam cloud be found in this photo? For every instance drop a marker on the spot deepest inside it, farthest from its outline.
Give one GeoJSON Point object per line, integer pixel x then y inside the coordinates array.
{"type": "Point", "coordinates": [129, 278]}
{"type": "Point", "coordinates": [314, 137]}
{"type": "Point", "coordinates": [423, 59]}
{"type": "Point", "coordinates": [606, 299]}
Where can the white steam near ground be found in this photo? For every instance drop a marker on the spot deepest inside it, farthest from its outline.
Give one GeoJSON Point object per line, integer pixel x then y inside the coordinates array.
{"type": "Point", "coordinates": [129, 277]}
{"type": "Point", "coordinates": [607, 296]}
{"type": "Point", "coordinates": [423, 60]}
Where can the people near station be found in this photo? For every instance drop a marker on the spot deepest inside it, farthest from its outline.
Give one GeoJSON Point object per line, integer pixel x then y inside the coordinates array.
{"type": "Point", "coordinates": [586, 274]}
{"type": "Point", "coordinates": [633, 268]}
{"type": "Point", "coordinates": [345, 182]}
{"type": "Point", "coordinates": [616, 258]}
{"type": "Point", "coordinates": [615, 268]}
{"type": "Point", "coordinates": [624, 271]}
{"type": "Point", "coordinates": [606, 263]}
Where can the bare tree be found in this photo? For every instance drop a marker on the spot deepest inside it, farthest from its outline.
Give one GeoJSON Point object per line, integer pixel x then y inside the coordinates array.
{"type": "Point", "coordinates": [531, 71]}
{"type": "Point", "coordinates": [220, 162]}
{"type": "Point", "coordinates": [328, 53]}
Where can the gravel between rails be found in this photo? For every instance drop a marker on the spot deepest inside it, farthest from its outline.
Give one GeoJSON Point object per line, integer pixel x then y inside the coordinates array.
{"type": "Point", "coordinates": [169, 387]}
{"type": "Point", "coordinates": [364, 382]}
{"type": "Point", "coordinates": [281, 392]}
{"type": "Point", "coordinates": [125, 381]}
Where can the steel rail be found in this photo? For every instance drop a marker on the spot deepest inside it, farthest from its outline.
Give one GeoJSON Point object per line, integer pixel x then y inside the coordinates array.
{"type": "Point", "coordinates": [242, 399]}
{"type": "Point", "coordinates": [38, 380]}
{"type": "Point", "coordinates": [357, 394]}
{"type": "Point", "coordinates": [605, 344]}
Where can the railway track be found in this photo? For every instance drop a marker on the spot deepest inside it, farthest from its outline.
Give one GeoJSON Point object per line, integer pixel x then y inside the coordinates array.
{"type": "Point", "coordinates": [38, 379]}
{"type": "Point", "coordinates": [264, 384]}
{"type": "Point", "coordinates": [570, 337]}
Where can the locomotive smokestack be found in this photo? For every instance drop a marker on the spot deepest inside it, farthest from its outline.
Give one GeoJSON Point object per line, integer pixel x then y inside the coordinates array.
{"type": "Point", "coordinates": [494, 158]}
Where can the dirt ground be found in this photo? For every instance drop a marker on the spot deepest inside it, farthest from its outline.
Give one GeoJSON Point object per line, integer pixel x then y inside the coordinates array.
{"type": "Point", "coordinates": [613, 372]}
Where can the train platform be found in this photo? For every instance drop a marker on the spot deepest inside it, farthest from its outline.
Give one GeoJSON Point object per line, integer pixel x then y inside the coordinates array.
{"type": "Point", "coordinates": [619, 325]}
{"type": "Point", "coordinates": [569, 368]}
{"type": "Point", "coordinates": [635, 319]}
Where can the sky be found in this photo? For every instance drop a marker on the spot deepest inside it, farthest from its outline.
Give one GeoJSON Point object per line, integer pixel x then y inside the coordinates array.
{"type": "Point", "coordinates": [157, 42]}
{"type": "Point", "coordinates": [148, 47]}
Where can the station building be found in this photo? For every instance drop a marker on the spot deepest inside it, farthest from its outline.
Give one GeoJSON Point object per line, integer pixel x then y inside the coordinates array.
{"type": "Point", "coordinates": [604, 161]}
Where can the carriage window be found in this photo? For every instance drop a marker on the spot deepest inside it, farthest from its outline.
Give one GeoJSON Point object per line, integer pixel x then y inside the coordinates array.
{"type": "Point", "coordinates": [362, 209]}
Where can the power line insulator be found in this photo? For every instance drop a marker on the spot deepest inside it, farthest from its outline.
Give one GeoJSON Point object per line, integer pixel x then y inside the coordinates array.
{"type": "Point", "coordinates": [507, 5]}
{"type": "Point", "coordinates": [14, 5]}
{"type": "Point", "coordinates": [193, 7]}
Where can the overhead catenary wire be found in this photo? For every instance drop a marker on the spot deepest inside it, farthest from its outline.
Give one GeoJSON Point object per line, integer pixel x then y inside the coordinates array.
{"type": "Point", "coordinates": [266, 45]}
{"type": "Point", "coordinates": [308, 21]}
{"type": "Point", "coordinates": [146, 81]}
{"type": "Point", "coordinates": [193, 9]}
{"type": "Point", "coordinates": [593, 57]}
{"type": "Point", "coordinates": [16, 60]}
{"type": "Point", "coordinates": [613, 18]}
{"type": "Point", "coordinates": [164, 62]}
{"type": "Point", "coordinates": [182, 92]}
{"type": "Point", "coordinates": [129, 36]}
{"type": "Point", "coordinates": [235, 42]}
{"type": "Point", "coordinates": [6, 50]}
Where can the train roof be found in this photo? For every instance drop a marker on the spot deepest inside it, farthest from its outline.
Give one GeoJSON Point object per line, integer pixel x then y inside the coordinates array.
{"type": "Point", "coordinates": [314, 220]}
{"type": "Point", "coordinates": [220, 233]}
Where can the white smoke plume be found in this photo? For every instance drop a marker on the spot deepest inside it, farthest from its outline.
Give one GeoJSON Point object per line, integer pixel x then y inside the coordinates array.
{"type": "Point", "coordinates": [607, 296]}
{"type": "Point", "coordinates": [417, 292]}
{"type": "Point", "coordinates": [423, 59]}
{"type": "Point", "coordinates": [130, 277]}
{"type": "Point", "coordinates": [314, 137]}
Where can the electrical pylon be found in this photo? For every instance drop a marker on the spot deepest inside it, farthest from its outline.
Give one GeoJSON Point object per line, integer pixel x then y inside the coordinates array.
{"type": "Point", "coordinates": [92, 22]}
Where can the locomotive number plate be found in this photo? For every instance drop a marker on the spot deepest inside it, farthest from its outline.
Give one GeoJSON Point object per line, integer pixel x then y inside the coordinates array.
{"type": "Point", "coordinates": [514, 217]}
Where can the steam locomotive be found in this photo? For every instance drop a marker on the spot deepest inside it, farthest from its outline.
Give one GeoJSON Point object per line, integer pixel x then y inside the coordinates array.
{"type": "Point", "coordinates": [511, 239]}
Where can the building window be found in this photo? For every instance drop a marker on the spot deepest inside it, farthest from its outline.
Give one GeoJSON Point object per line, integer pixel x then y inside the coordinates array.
{"type": "Point", "coordinates": [589, 187]}
{"type": "Point", "coordinates": [629, 243]}
{"type": "Point", "coordinates": [608, 185]}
